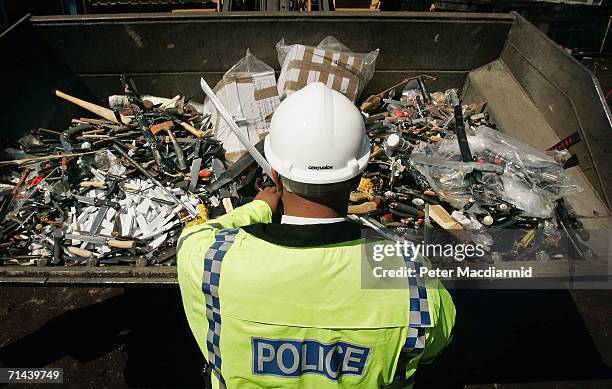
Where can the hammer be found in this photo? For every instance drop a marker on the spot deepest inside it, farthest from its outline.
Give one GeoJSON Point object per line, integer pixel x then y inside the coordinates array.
{"type": "Point", "coordinates": [374, 101]}
{"type": "Point", "coordinates": [168, 126]}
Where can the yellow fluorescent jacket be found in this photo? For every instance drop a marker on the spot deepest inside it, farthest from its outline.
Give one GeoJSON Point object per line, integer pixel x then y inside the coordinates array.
{"type": "Point", "coordinates": [272, 316]}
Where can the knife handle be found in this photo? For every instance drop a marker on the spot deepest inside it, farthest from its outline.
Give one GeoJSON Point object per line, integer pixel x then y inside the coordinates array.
{"type": "Point", "coordinates": [79, 252]}
{"type": "Point", "coordinates": [121, 244]}
{"type": "Point", "coordinates": [92, 184]}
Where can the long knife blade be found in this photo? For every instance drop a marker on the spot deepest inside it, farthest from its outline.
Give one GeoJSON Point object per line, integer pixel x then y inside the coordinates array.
{"type": "Point", "coordinates": [110, 242]}
{"type": "Point", "coordinates": [95, 227]}
{"type": "Point", "coordinates": [88, 238]}
{"type": "Point", "coordinates": [97, 202]}
{"type": "Point", "coordinates": [218, 169]}
{"type": "Point", "coordinates": [234, 170]}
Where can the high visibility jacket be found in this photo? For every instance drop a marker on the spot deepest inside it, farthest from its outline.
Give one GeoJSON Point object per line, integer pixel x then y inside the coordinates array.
{"type": "Point", "coordinates": [281, 306]}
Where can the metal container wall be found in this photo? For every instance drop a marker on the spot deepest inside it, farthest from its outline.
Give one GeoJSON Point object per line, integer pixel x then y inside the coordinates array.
{"type": "Point", "coordinates": [168, 52]}
{"type": "Point", "coordinates": [530, 83]}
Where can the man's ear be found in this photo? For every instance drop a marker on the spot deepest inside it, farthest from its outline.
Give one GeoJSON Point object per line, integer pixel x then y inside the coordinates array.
{"type": "Point", "coordinates": [355, 183]}
{"type": "Point", "coordinates": [277, 181]}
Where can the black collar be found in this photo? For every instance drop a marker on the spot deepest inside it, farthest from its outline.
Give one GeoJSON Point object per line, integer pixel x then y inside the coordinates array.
{"type": "Point", "coordinates": [311, 235]}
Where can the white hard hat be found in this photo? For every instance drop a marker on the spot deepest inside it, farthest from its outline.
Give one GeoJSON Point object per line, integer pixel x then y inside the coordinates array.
{"type": "Point", "coordinates": [317, 136]}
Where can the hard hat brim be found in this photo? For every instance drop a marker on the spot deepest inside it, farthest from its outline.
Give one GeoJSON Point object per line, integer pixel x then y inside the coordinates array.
{"type": "Point", "coordinates": [314, 175]}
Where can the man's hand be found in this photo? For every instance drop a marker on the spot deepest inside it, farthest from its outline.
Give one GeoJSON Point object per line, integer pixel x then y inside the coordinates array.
{"type": "Point", "coordinates": [271, 196]}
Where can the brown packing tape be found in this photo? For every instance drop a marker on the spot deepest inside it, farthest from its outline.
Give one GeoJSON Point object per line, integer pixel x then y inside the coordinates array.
{"type": "Point", "coordinates": [304, 70]}
{"type": "Point", "coordinates": [258, 94]}
{"type": "Point", "coordinates": [230, 80]}
{"type": "Point", "coordinates": [342, 63]}
{"type": "Point", "coordinates": [335, 70]}
{"type": "Point", "coordinates": [294, 85]}
{"type": "Point", "coordinates": [244, 79]}
{"type": "Point", "coordinates": [327, 61]}
{"type": "Point", "coordinates": [219, 85]}
{"type": "Point", "coordinates": [265, 93]}
{"type": "Point", "coordinates": [322, 67]}
{"type": "Point", "coordinates": [336, 82]}
{"type": "Point", "coordinates": [334, 73]}
{"type": "Point", "coordinates": [351, 91]}
{"type": "Point", "coordinates": [357, 64]}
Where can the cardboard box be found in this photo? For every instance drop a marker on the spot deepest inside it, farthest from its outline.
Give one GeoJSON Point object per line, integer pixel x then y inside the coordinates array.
{"type": "Point", "coordinates": [341, 71]}
{"type": "Point", "coordinates": [251, 98]}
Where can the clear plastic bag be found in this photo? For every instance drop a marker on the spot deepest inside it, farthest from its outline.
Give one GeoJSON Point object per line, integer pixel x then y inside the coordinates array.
{"type": "Point", "coordinates": [410, 96]}
{"type": "Point", "coordinates": [330, 62]}
{"type": "Point", "coordinates": [248, 91]}
{"type": "Point", "coordinates": [248, 64]}
{"type": "Point", "coordinates": [531, 179]}
{"type": "Point", "coordinates": [449, 183]}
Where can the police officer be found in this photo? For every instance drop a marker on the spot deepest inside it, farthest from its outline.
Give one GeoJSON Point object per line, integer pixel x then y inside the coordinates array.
{"type": "Point", "coordinates": [281, 305]}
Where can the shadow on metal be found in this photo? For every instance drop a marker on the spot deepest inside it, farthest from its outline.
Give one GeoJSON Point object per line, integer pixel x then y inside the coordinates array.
{"type": "Point", "coordinates": [517, 336]}
{"type": "Point", "coordinates": [147, 325]}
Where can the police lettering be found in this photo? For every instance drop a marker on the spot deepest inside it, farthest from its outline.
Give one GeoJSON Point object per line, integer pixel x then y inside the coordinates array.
{"type": "Point", "coordinates": [292, 358]}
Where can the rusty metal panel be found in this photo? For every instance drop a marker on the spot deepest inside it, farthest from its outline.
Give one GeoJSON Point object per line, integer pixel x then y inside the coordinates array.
{"type": "Point", "coordinates": [144, 2]}
{"type": "Point", "coordinates": [83, 275]}
{"type": "Point", "coordinates": [567, 95]}
{"type": "Point", "coordinates": [165, 43]}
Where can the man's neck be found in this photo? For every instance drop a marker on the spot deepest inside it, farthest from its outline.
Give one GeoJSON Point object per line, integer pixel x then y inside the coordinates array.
{"type": "Point", "coordinates": [302, 207]}
{"type": "Point", "coordinates": [320, 212]}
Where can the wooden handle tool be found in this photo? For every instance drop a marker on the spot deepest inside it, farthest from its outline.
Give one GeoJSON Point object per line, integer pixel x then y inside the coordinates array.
{"type": "Point", "coordinates": [358, 197]}
{"type": "Point", "coordinates": [195, 131]}
{"type": "Point", "coordinates": [93, 184]}
{"type": "Point", "coordinates": [363, 208]}
{"type": "Point", "coordinates": [105, 113]}
{"type": "Point", "coordinates": [79, 252]}
{"type": "Point", "coordinates": [121, 244]}
{"type": "Point", "coordinates": [444, 220]}
{"type": "Point", "coordinates": [374, 101]}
